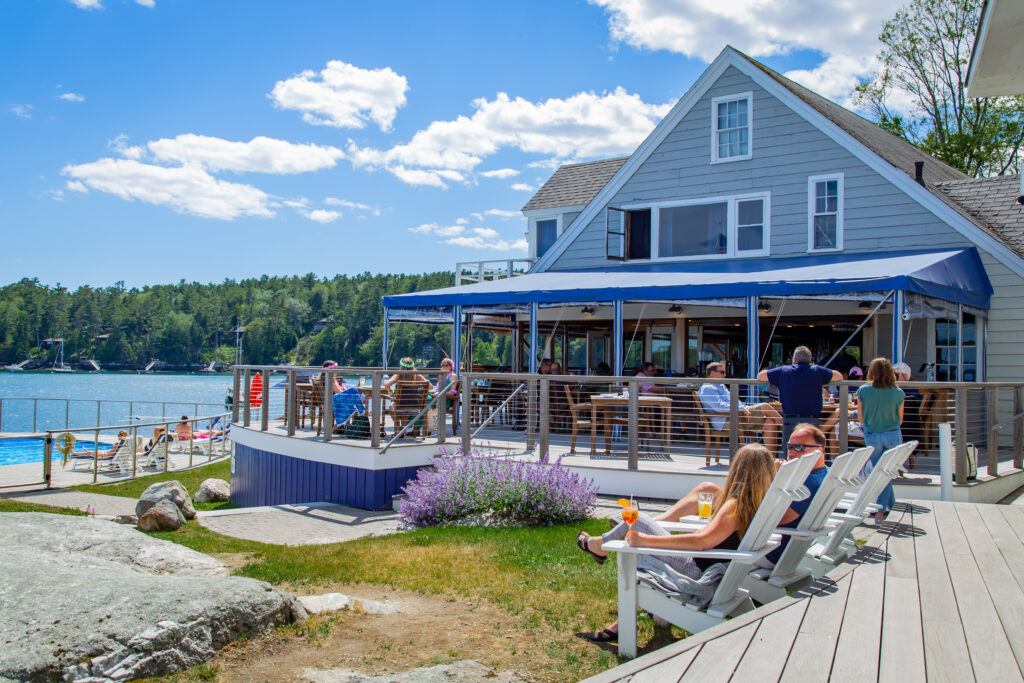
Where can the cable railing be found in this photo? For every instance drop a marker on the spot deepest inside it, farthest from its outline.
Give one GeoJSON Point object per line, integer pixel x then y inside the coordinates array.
{"type": "Point", "coordinates": [635, 420]}
{"type": "Point", "coordinates": [34, 414]}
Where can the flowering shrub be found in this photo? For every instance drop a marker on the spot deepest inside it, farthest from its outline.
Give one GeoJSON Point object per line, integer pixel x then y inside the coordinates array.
{"type": "Point", "coordinates": [510, 491]}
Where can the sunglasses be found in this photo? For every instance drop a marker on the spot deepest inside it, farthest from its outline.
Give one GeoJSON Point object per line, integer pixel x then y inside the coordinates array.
{"type": "Point", "coordinates": [800, 447]}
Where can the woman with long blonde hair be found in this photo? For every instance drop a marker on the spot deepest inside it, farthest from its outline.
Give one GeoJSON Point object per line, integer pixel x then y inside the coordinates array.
{"type": "Point", "coordinates": [751, 472]}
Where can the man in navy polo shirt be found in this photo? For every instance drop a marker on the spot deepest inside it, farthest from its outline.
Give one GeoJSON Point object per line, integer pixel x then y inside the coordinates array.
{"type": "Point", "coordinates": [799, 389]}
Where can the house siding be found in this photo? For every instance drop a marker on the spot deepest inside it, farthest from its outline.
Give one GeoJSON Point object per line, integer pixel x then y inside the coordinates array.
{"type": "Point", "coordinates": [786, 151]}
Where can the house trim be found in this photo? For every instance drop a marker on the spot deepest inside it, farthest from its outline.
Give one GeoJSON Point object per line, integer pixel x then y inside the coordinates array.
{"type": "Point", "coordinates": [730, 57]}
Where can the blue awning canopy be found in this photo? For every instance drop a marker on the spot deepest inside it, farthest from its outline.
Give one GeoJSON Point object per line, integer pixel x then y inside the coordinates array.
{"type": "Point", "coordinates": [956, 275]}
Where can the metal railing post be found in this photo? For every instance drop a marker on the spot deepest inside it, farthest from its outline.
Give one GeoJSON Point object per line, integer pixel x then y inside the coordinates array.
{"type": "Point", "coordinates": [47, 458]}
{"type": "Point", "coordinates": [135, 449]}
{"type": "Point", "coordinates": [265, 412]}
{"type": "Point", "coordinates": [328, 410]}
{"type": "Point", "coordinates": [95, 455]}
{"type": "Point", "coordinates": [734, 420]}
{"type": "Point", "coordinates": [992, 433]}
{"type": "Point", "coordinates": [467, 415]}
{"type": "Point", "coordinates": [1, 415]}
{"type": "Point", "coordinates": [99, 408]}
{"type": "Point", "coordinates": [376, 410]}
{"type": "Point", "coordinates": [960, 434]}
{"type": "Point", "coordinates": [35, 411]}
{"type": "Point", "coordinates": [293, 403]}
{"type": "Point", "coordinates": [844, 419]}
{"type": "Point", "coordinates": [531, 415]}
{"type": "Point", "coordinates": [246, 409]}
{"type": "Point", "coordinates": [543, 418]}
{"type": "Point", "coordinates": [67, 414]}
{"type": "Point", "coordinates": [1018, 427]}
{"type": "Point", "coordinates": [633, 417]}
{"type": "Point", "coordinates": [166, 445]}
{"type": "Point", "coordinates": [442, 415]}
{"type": "Point", "coordinates": [131, 411]}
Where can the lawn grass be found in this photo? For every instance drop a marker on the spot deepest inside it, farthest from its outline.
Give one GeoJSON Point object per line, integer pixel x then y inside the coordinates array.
{"type": "Point", "coordinates": [190, 479]}
{"type": "Point", "coordinates": [7, 505]}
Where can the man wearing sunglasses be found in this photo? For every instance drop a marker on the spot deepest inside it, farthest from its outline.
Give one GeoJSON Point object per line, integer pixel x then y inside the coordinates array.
{"type": "Point", "coordinates": [804, 439]}
{"type": "Point", "coordinates": [758, 417]}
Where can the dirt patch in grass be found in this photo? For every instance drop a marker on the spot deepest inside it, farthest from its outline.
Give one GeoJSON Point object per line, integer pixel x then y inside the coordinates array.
{"type": "Point", "coordinates": [429, 630]}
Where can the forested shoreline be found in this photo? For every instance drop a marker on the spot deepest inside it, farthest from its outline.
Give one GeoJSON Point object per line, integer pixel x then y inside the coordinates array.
{"type": "Point", "coordinates": [192, 323]}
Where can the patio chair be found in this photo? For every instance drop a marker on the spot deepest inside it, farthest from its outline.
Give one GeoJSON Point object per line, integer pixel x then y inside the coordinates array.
{"type": "Point", "coordinates": [579, 414]}
{"type": "Point", "coordinates": [87, 459]}
{"type": "Point", "coordinates": [858, 505]}
{"type": "Point", "coordinates": [729, 598]}
{"type": "Point", "coordinates": [122, 460]}
{"type": "Point", "coordinates": [409, 399]}
{"type": "Point", "coordinates": [316, 401]}
{"type": "Point", "coordinates": [712, 437]}
{"type": "Point", "coordinates": [156, 455]}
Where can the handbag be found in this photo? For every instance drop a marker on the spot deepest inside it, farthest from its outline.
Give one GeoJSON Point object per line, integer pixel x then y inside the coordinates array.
{"type": "Point", "coordinates": [358, 427]}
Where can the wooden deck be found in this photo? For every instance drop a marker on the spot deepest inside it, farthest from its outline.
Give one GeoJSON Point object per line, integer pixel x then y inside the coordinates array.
{"type": "Point", "coordinates": [937, 593]}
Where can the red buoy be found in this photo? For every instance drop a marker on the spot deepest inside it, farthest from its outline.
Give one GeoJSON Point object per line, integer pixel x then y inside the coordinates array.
{"type": "Point", "coordinates": [256, 391]}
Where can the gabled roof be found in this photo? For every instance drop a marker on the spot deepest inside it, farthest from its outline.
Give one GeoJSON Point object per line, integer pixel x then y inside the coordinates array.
{"type": "Point", "coordinates": [992, 203]}
{"type": "Point", "coordinates": [574, 184]}
{"type": "Point", "coordinates": [889, 155]}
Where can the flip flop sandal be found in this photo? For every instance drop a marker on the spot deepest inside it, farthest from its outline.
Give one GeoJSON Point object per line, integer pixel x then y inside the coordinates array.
{"type": "Point", "coordinates": [581, 541]}
{"type": "Point", "coordinates": [605, 635]}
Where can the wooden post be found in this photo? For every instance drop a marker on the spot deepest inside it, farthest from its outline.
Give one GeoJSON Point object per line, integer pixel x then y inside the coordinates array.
{"type": "Point", "coordinates": [633, 418]}
{"type": "Point", "coordinates": [844, 419]}
{"type": "Point", "coordinates": [376, 410]}
{"type": "Point", "coordinates": [1018, 427]}
{"type": "Point", "coordinates": [293, 403]}
{"type": "Point", "coordinates": [544, 418]}
{"type": "Point", "coordinates": [734, 419]}
{"type": "Point", "coordinates": [992, 433]}
{"type": "Point", "coordinates": [236, 394]}
{"type": "Point", "coordinates": [960, 435]}
{"type": "Point", "coordinates": [246, 409]}
{"type": "Point", "coordinates": [95, 455]}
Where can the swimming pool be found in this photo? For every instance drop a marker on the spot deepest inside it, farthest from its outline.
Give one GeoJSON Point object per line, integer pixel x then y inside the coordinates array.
{"type": "Point", "coordinates": [22, 451]}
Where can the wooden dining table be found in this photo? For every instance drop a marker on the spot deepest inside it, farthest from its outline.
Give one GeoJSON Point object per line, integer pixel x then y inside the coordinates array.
{"type": "Point", "coordinates": [601, 405]}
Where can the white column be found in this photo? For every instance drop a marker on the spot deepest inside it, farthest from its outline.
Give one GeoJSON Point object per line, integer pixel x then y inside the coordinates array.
{"type": "Point", "coordinates": [617, 337]}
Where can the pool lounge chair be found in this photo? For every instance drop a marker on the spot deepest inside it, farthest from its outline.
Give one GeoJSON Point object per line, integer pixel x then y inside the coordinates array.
{"type": "Point", "coordinates": [729, 598]}
{"type": "Point", "coordinates": [156, 455]}
{"type": "Point", "coordinates": [87, 459]}
{"type": "Point", "coordinates": [122, 460]}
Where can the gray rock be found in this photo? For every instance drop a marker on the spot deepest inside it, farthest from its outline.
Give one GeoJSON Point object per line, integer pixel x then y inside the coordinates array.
{"type": "Point", "coordinates": [164, 516]}
{"type": "Point", "coordinates": [466, 671]}
{"type": "Point", "coordinates": [77, 602]}
{"type": "Point", "coordinates": [336, 602]}
{"type": "Point", "coordinates": [213, 491]}
{"type": "Point", "coordinates": [169, 490]}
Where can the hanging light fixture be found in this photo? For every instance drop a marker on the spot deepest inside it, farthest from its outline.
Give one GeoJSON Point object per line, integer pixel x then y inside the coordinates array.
{"type": "Point", "coordinates": [676, 310]}
{"type": "Point", "coordinates": [764, 307]}
{"type": "Point", "coordinates": [587, 312]}
{"type": "Point", "coordinates": [865, 305]}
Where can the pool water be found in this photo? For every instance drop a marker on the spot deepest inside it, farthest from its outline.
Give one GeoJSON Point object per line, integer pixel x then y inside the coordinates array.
{"type": "Point", "coordinates": [22, 451]}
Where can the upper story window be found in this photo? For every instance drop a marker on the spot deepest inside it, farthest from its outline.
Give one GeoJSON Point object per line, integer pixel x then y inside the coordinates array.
{"type": "Point", "coordinates": [547, 233]}
{"type": "Point", "coordinates": [714, 227]}
{"type": "Point", "coordinates": [825, 212]}
{"type": "Point", "coordinates": [731, 127]}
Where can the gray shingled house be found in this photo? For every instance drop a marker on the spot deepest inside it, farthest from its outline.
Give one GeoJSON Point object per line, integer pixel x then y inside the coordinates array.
{"type": "Point", "coordinates": [755, 217]}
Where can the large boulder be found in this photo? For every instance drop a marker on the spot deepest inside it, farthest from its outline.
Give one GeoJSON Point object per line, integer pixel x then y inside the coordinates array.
{"type": "Point", "coordinates": [213, 491]}
{"type": "Point", "coordinates": [166, 490]}
{"type": "Point", "coordinates": [164, 516]}
{"type": "Point", "coordinates": [79, 600]}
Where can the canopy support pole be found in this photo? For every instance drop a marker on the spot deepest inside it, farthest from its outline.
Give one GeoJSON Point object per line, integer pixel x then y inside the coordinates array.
{"type": "Point", "coordinates": [534, 311]}
{"type": "Point", "coordinates": [457, 336]}
{"type": "Point", "coordinates": [898, 304]}
{"type": "Point", "coordinates": [384, 346]}
{"type": "Point", "coordinates": [617, 336]}
{"type": "Point", "coordinates": [959, 342]}
{"type": "Point", "coordinates": [753, 337]}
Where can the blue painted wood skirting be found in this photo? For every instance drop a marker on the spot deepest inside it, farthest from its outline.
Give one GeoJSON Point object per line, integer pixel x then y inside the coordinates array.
{"type": "Point", "coordinates": [266, 478]}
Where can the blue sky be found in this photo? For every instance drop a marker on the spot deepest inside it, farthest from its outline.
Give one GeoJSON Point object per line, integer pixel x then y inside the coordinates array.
{"type": "Point", "coordinates": [156, 140]}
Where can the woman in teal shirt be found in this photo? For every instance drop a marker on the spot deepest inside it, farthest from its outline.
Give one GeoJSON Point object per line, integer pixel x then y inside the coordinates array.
{"type": "Point", "coordinates": [881, 413]}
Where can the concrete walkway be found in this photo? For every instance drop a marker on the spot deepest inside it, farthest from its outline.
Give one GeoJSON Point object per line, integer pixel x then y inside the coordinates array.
{"type": "Point", "coordinates": [312, 524]}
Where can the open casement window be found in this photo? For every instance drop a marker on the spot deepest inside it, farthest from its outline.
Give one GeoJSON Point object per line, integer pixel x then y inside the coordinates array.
{"type": "Point", "coordinates": [628, 234]}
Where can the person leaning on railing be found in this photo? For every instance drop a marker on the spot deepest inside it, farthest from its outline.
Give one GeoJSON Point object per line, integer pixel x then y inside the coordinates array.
{"type": "Point", "coordinates": [800, 386]}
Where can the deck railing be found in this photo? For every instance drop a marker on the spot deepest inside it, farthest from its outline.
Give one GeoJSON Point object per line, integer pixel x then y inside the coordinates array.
{"type": "Point", "coordinates": [645, 419]}
{"type": "Point", "coordinates": [22, 413]}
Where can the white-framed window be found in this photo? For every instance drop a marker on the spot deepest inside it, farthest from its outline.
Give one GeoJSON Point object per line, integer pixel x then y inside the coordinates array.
{"type": "Point", "coordinates": [825, 212]}
{"type": "Point", "coordinates": [732, 127]}
{"type": "Point", "coordinates": [710, 227]}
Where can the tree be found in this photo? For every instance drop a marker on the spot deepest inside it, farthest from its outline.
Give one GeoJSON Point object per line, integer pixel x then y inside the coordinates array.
{"type": "Point", "coordinates": [924, 62]}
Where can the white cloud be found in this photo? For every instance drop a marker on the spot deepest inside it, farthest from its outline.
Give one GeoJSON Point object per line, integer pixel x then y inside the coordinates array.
{"type": "Point", "coordinates": [424, 228]}
{"type": "Point", "coordinates": [76, 186]}
{"type": "Point", "coordinates": [259, 155]}
{"type": "Point", "coordinates": [475, 238]}
{"type": "Point", "coordinates": [121, 146]}
{"type": "Point", "coordinates": [186, 189]}
{"type": "Point", "coordinates": [146, 3]}
{"type": "Point", "coordinates": [844, 31]}
{"type": "Point", "coordinates": [22, 110]}
{"type": "Point", "coordinates": [300, 203]}
{"type": "Point", "coordinates": [72, 97]}
{"type": "Point", "coordinates": [500, 213]}
{"type": "Point", "coordinates": [334, 201]}
{"type": "Point", "coordinates": [523, 187]}
{"type": "Point", "coordinates": [57, 195]}
{"type": "Point", "coordinates": [87, 4]}
{"type": "Point", "coordinates": [322, 215]}
{"type": "Point", "coordinates": [343, 95]}
{"type": "Point", "coordinates": [500, 173]}
{"type": "Point", "coordinates": [584, 125]}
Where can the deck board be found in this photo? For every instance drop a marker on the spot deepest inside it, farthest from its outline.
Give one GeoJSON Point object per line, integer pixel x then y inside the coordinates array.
{"type": "Point", "coordinates": [937, 594]}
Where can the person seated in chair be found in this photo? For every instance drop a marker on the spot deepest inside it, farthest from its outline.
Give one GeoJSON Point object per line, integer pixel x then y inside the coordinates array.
{"type": "Point", "coordinates": [648, 369]}
{"type": "Point", "coordinates": [759, 417]}
{"type": "Point", "coordinates": [183, 430]}
{"type": "Point", "coordinates": [104, 454]}
{"type": "Point", "coordinates": [751, 472]}
{"type": "Point", "coordinates": [805, 438]}
{"type": "Point", "coordinates": [406, 364]}
{"type": "Point", "coordinates": [345, 400]}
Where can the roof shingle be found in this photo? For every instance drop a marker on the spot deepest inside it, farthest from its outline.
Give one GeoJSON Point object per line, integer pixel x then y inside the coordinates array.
{"type": "Point", "coordinates": [575, 184]}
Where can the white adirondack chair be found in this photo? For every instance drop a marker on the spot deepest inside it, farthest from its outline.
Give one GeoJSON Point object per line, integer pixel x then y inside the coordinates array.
{"type": "Point", "coordinates": [729, 599]}
{"type": "Point", "coordinates": [156, 455]}
{"type": "Point", "coordinates": [840, 544]}
{"type": "Point", "coordinates": [766, 585]}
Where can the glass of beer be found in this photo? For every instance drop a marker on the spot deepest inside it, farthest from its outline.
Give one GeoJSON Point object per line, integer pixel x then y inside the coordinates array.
{"type": "Point", "coordinates": [705, 499]}
{"type": "Point", "coordinates": [630, 512]}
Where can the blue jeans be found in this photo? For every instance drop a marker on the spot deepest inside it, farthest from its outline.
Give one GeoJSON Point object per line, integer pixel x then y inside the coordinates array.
{"type": "Point", "coordinates": [882, 441]}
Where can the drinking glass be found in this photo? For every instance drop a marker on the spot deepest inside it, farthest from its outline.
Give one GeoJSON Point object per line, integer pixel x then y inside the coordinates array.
{"type": "Point", "coordinates": [630, 513]}
{"type": "Point", "coordinates": [705, 499]}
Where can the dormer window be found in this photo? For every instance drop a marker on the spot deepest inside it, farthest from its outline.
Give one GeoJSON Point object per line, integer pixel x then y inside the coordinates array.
{"type": "Point", "coordinates": [731, 127]}
{"type": "Point", "coordinates": [547, 233]}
